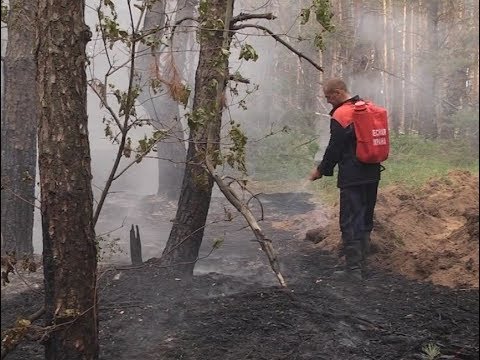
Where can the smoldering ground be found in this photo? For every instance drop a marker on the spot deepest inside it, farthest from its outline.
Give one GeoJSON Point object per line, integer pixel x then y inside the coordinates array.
{"type": "Point", "coordinates": [242, 313]}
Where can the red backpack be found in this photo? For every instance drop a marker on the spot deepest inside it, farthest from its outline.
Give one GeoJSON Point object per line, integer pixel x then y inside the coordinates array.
{"type": "Point", "coordinates": [371, 129]}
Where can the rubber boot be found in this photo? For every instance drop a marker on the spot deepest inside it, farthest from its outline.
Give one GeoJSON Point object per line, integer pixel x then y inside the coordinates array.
{"type": "Point", "coordinates": [365, 248]}
{"type": "Point", "coordinates": [353, 269]}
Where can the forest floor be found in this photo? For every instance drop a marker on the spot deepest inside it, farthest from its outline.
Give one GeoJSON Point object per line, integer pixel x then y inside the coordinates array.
{"type": "Point", "coordinates": [420, 301]}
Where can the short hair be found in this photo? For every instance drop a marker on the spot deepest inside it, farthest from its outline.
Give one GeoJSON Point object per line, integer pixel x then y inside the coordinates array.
{"type": "Point", "coordinates": [335, 84]}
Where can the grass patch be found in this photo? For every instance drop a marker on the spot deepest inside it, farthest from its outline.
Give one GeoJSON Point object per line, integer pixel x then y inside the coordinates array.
{"type": "Point", "coordinates": [414, 160]}
{"type": "Point", "coordinates": [286, 156]}
{"type": "Point", "coordinates": [283, 162]}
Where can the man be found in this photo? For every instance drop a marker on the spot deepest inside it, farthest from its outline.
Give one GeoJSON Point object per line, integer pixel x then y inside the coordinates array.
{"type": "Point", "coordinates": [358, 182]}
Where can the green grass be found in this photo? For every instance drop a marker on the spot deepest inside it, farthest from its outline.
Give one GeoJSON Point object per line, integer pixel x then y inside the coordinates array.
{"type": "Point", "coordinates": [286, 156]}
{"type": "Point", "coordinates": [412, 162]}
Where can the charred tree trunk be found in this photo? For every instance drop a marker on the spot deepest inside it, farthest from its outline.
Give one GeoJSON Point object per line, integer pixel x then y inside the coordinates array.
{"type": "Point", "coordinates": [186, 235]}
{"type": "Point", "coordinates": [69, 251]}
{"type": "Point", "coordinates": [19, 130]}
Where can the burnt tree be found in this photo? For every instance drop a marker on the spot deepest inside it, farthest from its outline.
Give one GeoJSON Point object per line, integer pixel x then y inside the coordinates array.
{"type": "Point", "coordinates": [19, 130]}
{"type": "Point", "coordinates": [69, 250]}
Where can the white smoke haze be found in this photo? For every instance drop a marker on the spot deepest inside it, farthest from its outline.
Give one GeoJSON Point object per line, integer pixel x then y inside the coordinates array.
{"type": "Point", "coordinates": [133, 200]}
{"type": "Point", "coordinates": [132, 196]}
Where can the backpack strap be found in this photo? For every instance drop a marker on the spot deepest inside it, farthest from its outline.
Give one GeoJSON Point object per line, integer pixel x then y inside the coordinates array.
{"type": "Point", "coordinates": [344, 114]}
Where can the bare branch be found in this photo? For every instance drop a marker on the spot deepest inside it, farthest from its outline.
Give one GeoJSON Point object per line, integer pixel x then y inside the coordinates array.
{"type": "Point", "coordinates": [244, 17]}
{"type": "Point", "coordinates": [124, 129]}
{"type": "Point", "coordinates": [280, 40]}
{"type": "Point", "coordinates": [4, 187]}
{"type": "Point", "coordinates": [177, 23]}
{"type": "Point", "coordinates": [137, 160]}
{"type": "Point", "coordinates": [243, 186]}
{"type": "Point", "coordinates": [104, 102]}
{"type": "Point", "coordinates": [239, 78]}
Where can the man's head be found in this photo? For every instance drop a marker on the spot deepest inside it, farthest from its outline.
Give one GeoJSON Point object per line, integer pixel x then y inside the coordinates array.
{"type": "Point", "coordinates": [335, 91]}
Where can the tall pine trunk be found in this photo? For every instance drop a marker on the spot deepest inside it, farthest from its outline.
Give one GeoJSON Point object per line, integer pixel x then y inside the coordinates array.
{"type": "Point", "coordinates": [19, 130]}
{"type": "Point", "coordinates": [186, 235]}
{"type": "Point", "coordinates": [69, 251]}
{"type": "Point", "coordinates": [428, 114]}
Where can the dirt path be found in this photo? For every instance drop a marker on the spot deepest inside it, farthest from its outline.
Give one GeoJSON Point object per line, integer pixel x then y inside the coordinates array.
{"type": "Point", "coordinates": [242, 314]}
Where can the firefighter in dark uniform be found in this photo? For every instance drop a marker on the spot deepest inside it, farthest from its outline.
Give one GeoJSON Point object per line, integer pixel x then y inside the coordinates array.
{"type": "Point", "coordinates": [358, 182]}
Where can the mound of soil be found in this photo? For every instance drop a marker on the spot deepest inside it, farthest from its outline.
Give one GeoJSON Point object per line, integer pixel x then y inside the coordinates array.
{"type": "Point", "coordinates": [430, 234]}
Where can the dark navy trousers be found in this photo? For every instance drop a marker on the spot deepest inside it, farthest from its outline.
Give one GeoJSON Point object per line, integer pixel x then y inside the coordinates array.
{"type": "Point", "coordinates": [357, 205]}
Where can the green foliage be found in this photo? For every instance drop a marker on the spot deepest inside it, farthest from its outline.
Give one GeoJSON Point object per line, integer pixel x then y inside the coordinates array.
{"type": "Point", "coordinates": [413, 161]}
{"type": "Point", "coordinates": [4, 12]}
{"type": "Point", "coordinates": [235, 157]}
{"type": "Point", "coordinates": [284, 156]}
{"type": "Point", "coordinates": [305, 15]}
{"type": "Point", "coordinates": [126, 100]}
{"type": "Point", "coordinates": [431, 351]}
{"type": "Point", "coordinates": [110, 28]}
{"type": "Point", "coordinates": [147, 144]}
{"type": "Point", "coordinates": [247, 52]}
{"type": "Point", "coordinates": [109, 134]}
{"type": "Point", "coordinates": [217, 243]}
{"type": "Point", "coordinates": [107, 246]}
{"type": "Point", "coordinates": [466, 120]}
{"type": "Point", "coordinates": [203, 8]}
{"type": "Point", "coordinates": [323, 16]}
{"type": "Point", "coordinates": [198, 118]}
{"type": "Point", "coordinates": [208, 22]}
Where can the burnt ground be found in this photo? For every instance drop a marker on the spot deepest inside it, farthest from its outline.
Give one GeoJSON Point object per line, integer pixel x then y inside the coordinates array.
{"type": "Point", "coordinates": [241, 313]}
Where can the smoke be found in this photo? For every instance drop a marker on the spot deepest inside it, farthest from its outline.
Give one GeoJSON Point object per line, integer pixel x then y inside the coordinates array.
{"type": "Point", "coordinates": [132, 201]}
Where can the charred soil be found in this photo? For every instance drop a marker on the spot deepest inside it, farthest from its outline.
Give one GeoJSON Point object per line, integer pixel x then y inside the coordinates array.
{"type": "Point", "coordinates": [242, 313]}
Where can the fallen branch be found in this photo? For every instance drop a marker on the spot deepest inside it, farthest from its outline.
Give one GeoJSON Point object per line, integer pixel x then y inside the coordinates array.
{"type": "Point", "coordinates": [265, 243]}
{"type": "Point", "coordinates": [13, 336]}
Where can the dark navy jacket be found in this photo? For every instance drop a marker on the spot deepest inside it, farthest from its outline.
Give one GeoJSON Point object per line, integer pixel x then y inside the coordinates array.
{"type": "Point", "coordinates": [341, 151]}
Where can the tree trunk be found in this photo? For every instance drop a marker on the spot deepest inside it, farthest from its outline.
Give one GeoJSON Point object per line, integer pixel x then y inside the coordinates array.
{"type": "Point", "coordinates": [186, 235]}
{"type": "Point", "coordinates": [473, 90]}
{"type": "Point", "coordinates": [19, 130]}
{"type": "Point", "coordinates": [403, 66]}
{"type": "Point", "coordinates": [69, 251]}
{"type": "Point", "coordinates": [428, 114]}
{"type": "Point", "coordinates": [385, 62]}
{"type": "Point", "coordinates": [160, 65]}
{"type": "Point", "coordinates": [414, 96]}
{"type": "Point", "coordinates": [395, 70]}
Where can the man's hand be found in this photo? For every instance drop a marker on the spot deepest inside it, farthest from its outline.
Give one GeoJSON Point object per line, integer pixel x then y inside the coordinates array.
{"type": "Point", "coordinates": [314, 175]}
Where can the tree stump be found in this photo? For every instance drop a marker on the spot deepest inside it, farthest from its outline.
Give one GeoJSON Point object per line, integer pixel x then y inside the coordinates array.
{"type": "Point", "coordinates": [135, 246]}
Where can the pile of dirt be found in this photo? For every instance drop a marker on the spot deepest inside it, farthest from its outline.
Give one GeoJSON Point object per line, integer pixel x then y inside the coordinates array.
{"type": "Point", "coordinates": [430, 234]}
